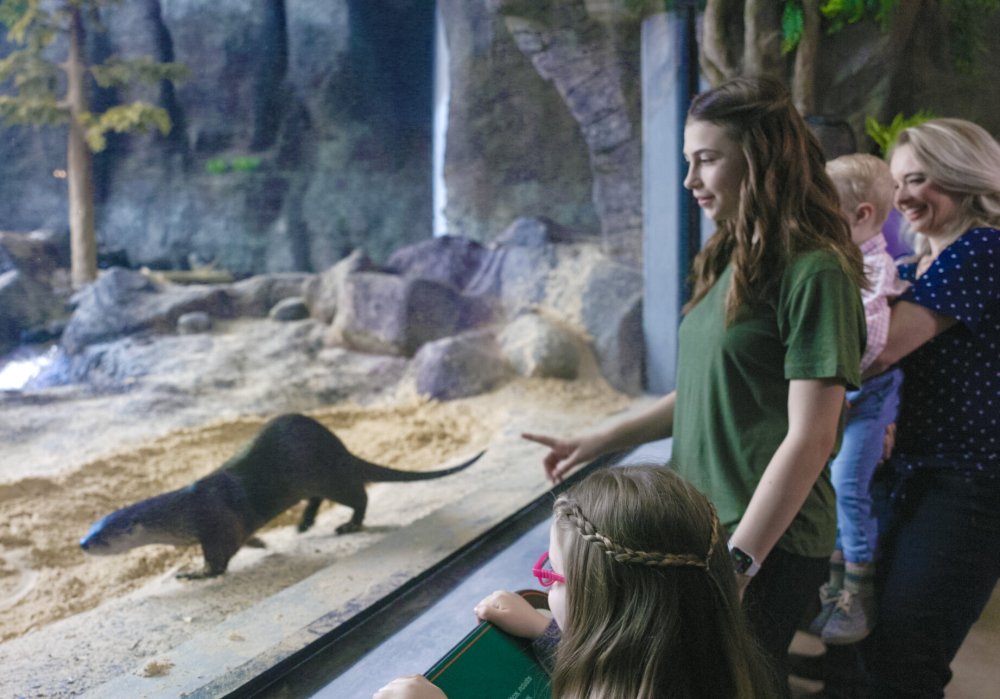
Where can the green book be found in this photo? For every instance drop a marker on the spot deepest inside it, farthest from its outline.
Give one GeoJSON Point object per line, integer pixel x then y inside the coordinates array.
{"type": "Point", "coordinates": [490, 664]}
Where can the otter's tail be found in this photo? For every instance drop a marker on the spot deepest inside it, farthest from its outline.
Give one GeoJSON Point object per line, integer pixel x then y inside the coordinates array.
{"type": "Point", "coordinates": [373, 473]}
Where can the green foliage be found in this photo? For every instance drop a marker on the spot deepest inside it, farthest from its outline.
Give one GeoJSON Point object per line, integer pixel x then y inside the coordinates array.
{"type": "Point", "coordinates": [216, 166]}
{"type": "Point", "coordinates": [844, 12]}
{"type": "Point", "coordinates": [38, 111]}
{"type": "Point", "coordinates": [838, 13]}
{"type": "Point", "coordinates": [31, 74]}
{"type": "Point", "coordinates": [243, 163]}
{"type": "Point", "coordinates": [124, 118]}
{"type": "Point", "coordinates": [118, 72]}
{"type": "Point", "coordinates": [248, 163]}
{"type": "Point", "coordinates": [885, 135]}
{"type": "Point", "coordinates": [967, 25]}
{"type": "Point", "coordinates": [792, 24]}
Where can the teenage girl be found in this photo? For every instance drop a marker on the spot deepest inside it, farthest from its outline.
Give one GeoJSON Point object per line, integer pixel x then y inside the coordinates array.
{"type": "Point", "coordinates": [642, 589]}
{"type": "Point", "coordinates": [772, 337]}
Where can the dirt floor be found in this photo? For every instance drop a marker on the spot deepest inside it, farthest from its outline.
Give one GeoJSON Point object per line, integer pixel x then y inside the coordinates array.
{"type": "Point", "coordinates": [47, 583]}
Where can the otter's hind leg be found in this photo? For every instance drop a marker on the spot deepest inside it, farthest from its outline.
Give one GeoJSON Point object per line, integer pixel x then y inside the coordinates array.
{"type": "Point", "coordinates": [360, 504]}
{"type": "Point", "coordinates": [309, 514]}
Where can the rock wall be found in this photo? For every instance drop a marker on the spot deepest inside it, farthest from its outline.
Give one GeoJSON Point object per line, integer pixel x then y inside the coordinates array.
{"type": "Point", "coordinates": [302, 133]}
{"type": "Point", "coordinates": [305, 129]}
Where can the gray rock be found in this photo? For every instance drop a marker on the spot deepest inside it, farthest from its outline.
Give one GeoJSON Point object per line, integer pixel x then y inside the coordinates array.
{"type": "Point", "coordinates": [620, 350]}
{"type": "Point", "coordinates": [608, 291]}
{"type": "Point", "coordinates": [293, 308]}
{"type": "Point", "coordinates": [447, 259]}
{"type": "Point", "coordinates": [460, 366]}
{"type": "Point", "coordinates": [534, 232]}
{"type": "Point", "coordinates": [536, 346]}
{"type": "Point", "coordinates": [323, 290]}
{"type": "Point", "coordinates": [122, 302]}
{"type": "Point", "coordinates": [257, 295]}
{"type": "Point", "coordinates": [194, 322]}
{"type": "Point", "coordinates": [25, 304]}
{"type": "Point", "coordinates": [388, 314]}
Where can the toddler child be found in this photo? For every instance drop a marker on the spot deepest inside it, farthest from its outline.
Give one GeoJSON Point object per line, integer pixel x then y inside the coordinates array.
{"type": "Point", "coordinates": [865, 186]}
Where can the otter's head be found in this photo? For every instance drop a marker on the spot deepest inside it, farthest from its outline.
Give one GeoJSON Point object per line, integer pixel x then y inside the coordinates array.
{"type": "Point", "coordinates": [159, 520]}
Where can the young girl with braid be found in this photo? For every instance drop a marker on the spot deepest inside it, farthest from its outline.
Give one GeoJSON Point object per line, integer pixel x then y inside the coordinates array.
{"type": "Point", "coordinates": [642, 590]}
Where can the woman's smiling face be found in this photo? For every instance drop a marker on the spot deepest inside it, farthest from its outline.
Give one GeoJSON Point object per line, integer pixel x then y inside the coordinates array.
{"type": "Point", "coordinates": [927, 207]}
{"type": "Point", "coordinates": [716, 168]}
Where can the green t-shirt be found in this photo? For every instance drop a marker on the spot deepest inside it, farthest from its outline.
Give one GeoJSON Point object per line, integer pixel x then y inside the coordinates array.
{"type": "Point", "coordinates": [732, 387]}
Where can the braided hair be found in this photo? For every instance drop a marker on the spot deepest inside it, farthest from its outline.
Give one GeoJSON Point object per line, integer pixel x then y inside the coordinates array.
{"type": "Point", "coordinates": [652, 608]}
{"type": "Point", "coordinates": [623, 554]}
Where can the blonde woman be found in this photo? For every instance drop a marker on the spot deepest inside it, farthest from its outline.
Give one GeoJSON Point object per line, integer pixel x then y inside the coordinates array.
{"type": "Point", "coordinates": [940, 542]}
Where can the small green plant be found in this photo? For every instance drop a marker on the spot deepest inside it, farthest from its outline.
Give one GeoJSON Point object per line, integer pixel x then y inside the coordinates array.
{"type": "Point", "coordinates": [838, 14]}
{"type": "Point", "coordinates": [885, 135]}
{"type": "Point", "coordinates": [216, 166]}
{"type": "Point", "coordinates": [245, 163]}
{"type": "Point", "coordinates": [248, 163]}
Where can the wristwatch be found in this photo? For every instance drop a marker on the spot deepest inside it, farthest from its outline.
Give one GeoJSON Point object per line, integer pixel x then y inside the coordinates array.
{"type": "Point", "coordinates": [743, 562]}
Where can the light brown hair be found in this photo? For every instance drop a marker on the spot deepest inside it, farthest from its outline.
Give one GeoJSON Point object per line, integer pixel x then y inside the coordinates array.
{"type": "Point", "coordinates": [652, 605]}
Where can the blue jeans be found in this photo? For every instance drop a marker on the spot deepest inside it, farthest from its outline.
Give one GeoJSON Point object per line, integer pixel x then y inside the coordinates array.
{"type": "Point", "coordinates": [939, 560]}
{"type": "Point", "coordinates": [873, 408]}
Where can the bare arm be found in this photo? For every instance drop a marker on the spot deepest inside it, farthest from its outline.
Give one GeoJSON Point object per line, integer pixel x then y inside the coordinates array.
{"type": "Point", "coordinates": [814, 407]}
{"type": "Point", "coordinates": [654, 422]}
{"type": "Point", "coordinates": [910, 326]}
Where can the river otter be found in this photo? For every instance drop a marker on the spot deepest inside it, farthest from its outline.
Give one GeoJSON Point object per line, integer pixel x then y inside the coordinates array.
{"type": "Point", "coordinates": [292, 458]}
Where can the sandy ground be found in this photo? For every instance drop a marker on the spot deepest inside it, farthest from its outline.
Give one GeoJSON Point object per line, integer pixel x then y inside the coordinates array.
{"type": "Point", "coordinates": [70, 622]}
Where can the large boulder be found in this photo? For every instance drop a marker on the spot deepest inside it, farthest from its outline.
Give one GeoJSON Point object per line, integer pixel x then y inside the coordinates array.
{"type": "Point", "coordinates": [579, 286]}
{"type": "Point", "coordinates": [388, 314]}
{"type": "Point", "coordinates": [446, 259]}
{"type": "Point", "coordinates": [536, 346]}
{"type": "Point", "coordinates": [460, 366]}
{"type": "Point", "coordinates": [621, 348]}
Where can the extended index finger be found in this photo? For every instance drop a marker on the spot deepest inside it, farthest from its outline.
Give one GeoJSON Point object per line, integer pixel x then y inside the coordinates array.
{"type": "Point", "coordinates": [545, 440]}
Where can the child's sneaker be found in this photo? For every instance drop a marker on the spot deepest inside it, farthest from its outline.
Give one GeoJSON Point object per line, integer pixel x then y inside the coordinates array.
{"type": "Point", "coordinates": [854, 613]}
{"type": "Point", "coordinates": [829, 593]}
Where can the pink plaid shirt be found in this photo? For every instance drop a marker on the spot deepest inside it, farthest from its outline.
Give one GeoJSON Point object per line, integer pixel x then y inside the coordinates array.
{"type": "Point", "coordinates": [885, 285]}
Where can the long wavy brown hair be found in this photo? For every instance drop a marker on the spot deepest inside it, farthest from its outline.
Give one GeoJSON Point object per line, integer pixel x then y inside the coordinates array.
{"type": "Point", "coordinates": [787, 203]}
{"type": "Point", "coordinates": [651, 598]}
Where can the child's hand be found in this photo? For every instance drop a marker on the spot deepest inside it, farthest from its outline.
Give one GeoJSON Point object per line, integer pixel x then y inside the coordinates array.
{"type": "Point", "coordinates": [513, 614]}
{"type": "Point", "coordinates": [412, 687]}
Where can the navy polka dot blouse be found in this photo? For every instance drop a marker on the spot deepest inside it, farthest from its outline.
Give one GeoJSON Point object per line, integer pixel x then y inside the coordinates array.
{"type": "Point", "coordinates": [951, 393]}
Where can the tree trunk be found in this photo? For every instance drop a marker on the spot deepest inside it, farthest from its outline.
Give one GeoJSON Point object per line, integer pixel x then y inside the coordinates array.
{"type": "Point", "coordinates": [762, 39]}
{"type": "Point", "coordinates": [804, 75]}
{"type": "Point", "coordinates": [79, 164]}
{"type": "Point", "coordinates": [719, 47]}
